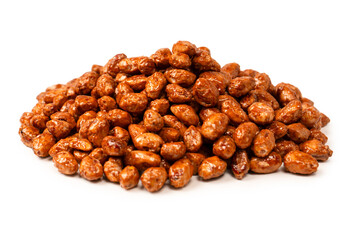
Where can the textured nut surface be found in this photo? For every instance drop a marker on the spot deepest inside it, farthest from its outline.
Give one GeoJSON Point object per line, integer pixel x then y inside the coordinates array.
{"type": "Point", "coordinates": [173, 151]}
{"type": "Point", "coordinates": [65, 162]}
{"type": "Point", "coordinates": [192, 139]}
{"type": "Point", "coordinates": [224, 147]}
{"type": "Point", "coordinates": [180, 173]}
{"type": "Point", "coordinates": [154, 178]}
{"type": "Point", "coordinates": [268, 164]}
{"type": "Point", "coordinates": [170, 134]}
{"type": "Point", "coordinates": [261, 113]}
{"type": "Point", "coordinates": [42, 144]}
{"type": "Point", "coordinates": [113, 146]}
{"type": "Point", "coordinates": [300, 162]}
{"type": "Point", "coordinates": [129, 177]}
{"type": "Point", "coordinates": [142, 159]}
{"type": "Point", "coordinates": [91, 169]}
{"type": "Point", "coordinates": [195, 159]}
{"type": "Point", "coordinates": [214, 126]}
{"type": "Point", "coordinates": [316, 149]}
{"type": "Point", "coordinates": [244, 134]}
{"type": "Point", "coordinates": [185, 114]}
{"type": "Point", "coordinates": [205, 92]}
{"type": "Point", "coordinates": [282, 147]}
{"type": "Point", "coordinates": [212, 167]}
{"type": "Point", "coordinates": [153, 121]}
{"type": "Point", "coordinates": [264, 143]}
{"type": "Point", "coordinates": [112, 169]}
{"type": "Point", "coordinates": [148, 142]}
{"type": "Point", "coordinates": [240, 164]}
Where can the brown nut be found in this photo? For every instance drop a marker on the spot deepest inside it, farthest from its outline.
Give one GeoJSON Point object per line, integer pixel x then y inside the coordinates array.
{"type": "Point", "coordinates": [27, 134]}
{"type": "Point", "coordinates": [39, 121]}
{"type": "Point", "coordinates": [207, 112]}
{"type": "Point", "coordinates": [129, 177]}
{"type": "Point", "coordinates": [240, 86]}
{"type": "Point", "coordinates": [224, 147]}
{"type": "Point", "coordinates": [121, 90]}
{"type": "Point", "coordinates": [170, 134]}
{"type": "Point", "coordinates": [25, 118]}
{"type": "Point", "coordinates": [300, 162]}
{"type": "Point", "coordinates": [180, 173]}
{"type": "Point", "coordinates": [324, 120]}
{"type": "Point", "coordinates": [59, 129]}
{"type": "Point", "coordinates": [262, 81]}
{"type": "Point", "coordinates": [136, 82]}
{"type": "Point", "coordinates": [230, 131]}
{"type": "Point", "coordinates": [142, 159]}
{"type": "Point", "coordinates": [160, 105]}
{"type": "Point", "coordinates": [95, 130]}
{"type": "Point", "coordinates": [113, 146]}
{"type": "Point", "coordinates": [286, 93]}
{"type": "Point", "coordinates": [193, 139]}
{"type": "Point", "coordinates": [129, 65]}
{"type": "Point", "coordinates": [214, 126]}
{"type": "Point", "coordinates": [153, 121]}
{"type": "Point", "coordinates": [97, 68]}
{"type": "Point", "coordinates": [248, 72]}
{"type": "Point", "coordinates": [268, 164]}
{"type": "Point", "coordinates": [232, 109]}
{"type": "Point", "coordinates": [298, 132]}
{"type": "Point", "coordinates": [85, 103]}
{"type": "Point", "coordinates": [264, 143]}
{"type": "Point", "coordinates": [80, 155]}
{"type": "Point", "coordinates": [62, 145]}
{"type": "Point", "coordinates": [185, 114]}
{"type": "Point", "coordinates": [240, 164]}
{"type": "Point", "coordinates": [134, 102]}
{"type": "Point", "coordinates": [180, 60]}
{"type": "Point", "coordinates": [146, 66]}
{"type": "Point", "coordinates": [173, 151]}
{"type": "Point", "coordinates": [121, 133]}
{"type": "Point", "coordinates": [106, 103]}
{"type": "Point", "coordinates": [120, 118]}
{"type": "Point", "coordinates": [219, 79]}
{"type": "Point", "coordinates": [261, 113]}
{"type": "Point", "coordinates": [278, 128]}
{"type": "Point", "coordinates": [202, 61]}
{"type": "Point", "coordinates": [112, 169]}
{"type": "Point", "coordinates": [212, 167]}
{"type": "Point", "coordinates": [105, 85]}
{"type": "Point", "coordinates": [136, 130]}
{"type": "Point", "coordinates": [84, 117]}
{"type": "Point", "coordinates": [318, 135]}
{"type": "Point", "coordinates": [195, 159]}
{"type": "Point", "coordinates": [65, 162]}
{"type": "Point", "coordinates": [181, 77]}
{"type": "Point", "coordinates": [79, 144]}
{"type": "Point", "coordinates": [282, 147]}
{"type": "Point", "coordinates": [291, 113]}
{"type": "Point", "coordinates": [42, 143]}
{"type": "Point", "coordinates": [178, 94]}
{"type": "Point", "coordinates": [172, 121]}
{"type": "Point", "coordinates": [86, 83]}
{"type": "Point", "coordinates": [100, 155]}
{"type": "Point", "coordinates": [244, 134]}
{"type": "Point", "coordinates": [64, 116]}
{"type": "Point", "coordinates": [233, 69]}
{"type": "Point", "coordinates": [111, 67]}
{"type": "Point", "coordinates": [148, 142]}
{"type": "Point", "coordinates": [184, 47]}
{"type": "Point", "coordinates": [310, 116]}
{"type": "Point", "coordinates": [91, 169]}
{"type": "Point", "coordinates": [154, 178]}
{"type": "Point", "coordinates": [161, 58]}
{"type": "Point", "coordinates": [205, 92]}
{"type": "Point", "coordinates": [316, 149]}
{"type": "Point", "coordinates": [154, 85]}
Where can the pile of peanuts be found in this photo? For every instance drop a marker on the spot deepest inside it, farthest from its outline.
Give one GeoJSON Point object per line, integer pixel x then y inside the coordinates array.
{"type": "Point", "coordinates": [173, 115]}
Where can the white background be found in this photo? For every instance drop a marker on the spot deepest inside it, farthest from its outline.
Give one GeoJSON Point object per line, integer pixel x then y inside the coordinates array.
{"type": "Point", "coordinates": [311, 44]}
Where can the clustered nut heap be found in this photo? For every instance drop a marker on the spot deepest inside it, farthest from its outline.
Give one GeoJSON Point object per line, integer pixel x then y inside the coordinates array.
{"type": "Point", "coordinates": [173, 115]}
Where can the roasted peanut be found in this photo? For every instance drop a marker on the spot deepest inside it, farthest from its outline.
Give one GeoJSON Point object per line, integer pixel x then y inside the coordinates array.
{"type": "Point", "coordinates": [129, 177]}
{"type": "Point", "coordinates": [42, 143]}
{"type": "Point", "coordinates": [180, 60]}
{"type": "Point", "coordinates": [261, 113]}
{"type": "Point", "coordinates": [160, 105]}
{"type": "Point", "coordinates": [112, 169]}
{"type": "Point", "coordinates": [310, 116]}
{"type": "Point", "coordinates": [240, 86]}
{"type": "Point", "coordinates": [300, 162]}
{"type": "Point", "coordinates": [113, 146]}
{"type": "Point", "coordinates": [85, 103]}
{"type": "Point", "coordinates": [100, 155]}
{"type": "Point", "coordinates": [178, 94]}
{"type": "Point", "coordinates": [106, 103]}
{"type": "Point", "coordinates": [39, 121]}
{"type": "Point", "coordinates": [136, 82]}
{"type": "Point", "coordinates": [154, 85]}
{"type": "Point", "coordinates": [212, 167]}
{"type": "Point", "coordinates": [268, 164]}
{"type": "Point", "coordinates": [184, 47]}
{"type": "Point", "coordinates": [59, 129]}
{"type": "Point", "coordinates": [79, 155]}
{"type": "Point", "coordinates": [154, 178]}
{"type": "Point", "coordinates": [172, 121]}
{"type": "Point", "coordinates": [278, 128]}
{"type": "Point", "coordinates": [219, 79]}
{"type": "Point", "coordinates": [232, 109]}
{"type": "Point", "coordinates": [262, 81]}
{"type": "Point", "coordinates": [185, 114]}
{"type": "Point", "coordinates": [264, 143]}
{"type": "Point", "coordinates": [146, 66]}
{"type": "Point", "coordinates": [224, 147]}
{"type": "Point", "coordinates": [111, 67]}
{"type": "Point", "coordinates": [121, 133]}
{"type": "Point", "coordinates": [136, 130]}
{"type": "Point", "coordinates": [61, 145]}
{"type": "Point", "coordinates": [298, 132]}
{"type": "Point", "coordinates": [27, 134]}
{"type": "Point", "coordinates": [181, 77]}
{"type": "Point", "coordinates": [79, 144]}
{"type": "Point", "coordinates": [161, 58]}
{"type": "Point", "coordinates": [65, 162]}
{"type": "Point", "coordinates": [207, 112]}
{"type": "Point", "coordinates": [316, 149]}
{"type": "Point", "coordinates": [180, 173]}
{"type": "Point", "coordinates": [129, 65]}
{"type": "Point", "coordinates": [233, 69]}
{"type": "Point", "coordinates": [282, 147]}
{"type": "Point", "coordinates": [318, 135]}
{"type": "Point", "coordinates": [214, 126]}
{"type": "Point", "coordinates": [119, 118]}
{"type": "Point", "coordinates": [205, 92]}
{"type": "Point", "coordinates": [153, 121]}
{"type": "Point", "coordinates": [91, 169]}
{"type": "Point", "coordinates": [173, 151]}
{"type": "Point", "coordinates": [95, 130]}
{"type": "Point", "coordinates": [134, 102]}
{"type": "Point", "coordinates": [287, 93]}
{"type": "Point", "coordinates": [290, 113]}
{"type": "Point", "coordinates": [244, 134]}
{"type": "Point", "coordinates": [86, 83]}
{"type": "Point", "coordinates": [193, 139]}
{"type": "Point", "coordinates": [84, 117]}
{"type": "Point", "coordinates": [170, 134]}
{"type": "Point", "coordinates": [195, 159]}
{"type": "Point", "coordinates": [142, 159]}
{"type": "Point", "coordinates": [148, 142]}
{"type": "Point", "coordinates": [240, 164]}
